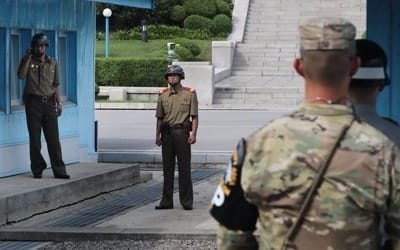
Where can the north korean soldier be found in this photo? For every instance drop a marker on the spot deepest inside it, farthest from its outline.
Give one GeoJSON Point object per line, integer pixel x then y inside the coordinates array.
{"type": "Point", "coordinates": [43, 106]}
{"type": "Point", "coordinates": [176, 129]}
{"type": "Point", "coordinates": [317, 178]}
{"type": "Point", "coordinates": [366, 85]}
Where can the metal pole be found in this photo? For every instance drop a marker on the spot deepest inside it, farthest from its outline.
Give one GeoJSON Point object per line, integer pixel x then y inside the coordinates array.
{"type": "Point", "coordinates": [107, 36]}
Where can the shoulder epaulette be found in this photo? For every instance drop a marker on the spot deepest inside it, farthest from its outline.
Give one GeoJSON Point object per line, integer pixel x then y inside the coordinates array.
{"type": "Point", "coordinates": [162, 91]}
{"type": "Point", "coordinates": [190, 89]}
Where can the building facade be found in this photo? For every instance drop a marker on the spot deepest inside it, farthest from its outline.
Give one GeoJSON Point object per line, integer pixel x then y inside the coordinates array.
{"type": "Point", "coordinates": [71, 28]}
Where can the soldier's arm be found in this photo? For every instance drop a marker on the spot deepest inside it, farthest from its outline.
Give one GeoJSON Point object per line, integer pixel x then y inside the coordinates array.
{"type": "Point", "coordinates": [236, 216]}
{"type": "Point", "coordinates": [24, 65]}
{"type": "Point", "coordinates": [393, 216]}
{"type": "Point", "coordinates": [158, 131]}
{"type": "Point", "coordinates": [193, 133]}
{"type": "Point", "coordinates": [195, 125]}
{"type": "Point", "coordinates": [58, 100]}
{"type": "Point", "coordinates": [159, 116]}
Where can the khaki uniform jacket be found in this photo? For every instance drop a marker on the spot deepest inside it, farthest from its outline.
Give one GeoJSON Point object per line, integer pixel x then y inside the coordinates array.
{"type": "Point", "coordinates": [177, 107]}
{"type": "Point", "coordinates": [42, 77]}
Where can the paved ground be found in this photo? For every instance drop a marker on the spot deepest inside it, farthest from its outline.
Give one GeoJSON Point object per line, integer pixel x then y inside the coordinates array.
{"type": "Point", "coordinates": [123, 219]}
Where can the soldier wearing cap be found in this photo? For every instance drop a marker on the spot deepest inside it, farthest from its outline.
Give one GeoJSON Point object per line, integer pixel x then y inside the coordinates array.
{"type": "Point", "coordinates": [365, 86]}
{"type": "Point", "coordinates": [43, 106]}
{"type": "Point", "coordinates": [176, 129]}
{"type": "Point", "coordinates": [316, 178]}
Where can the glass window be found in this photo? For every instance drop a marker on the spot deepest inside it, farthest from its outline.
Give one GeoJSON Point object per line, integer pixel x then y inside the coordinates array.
{"type": "Point", "coordinates": [62, 64]}
{"type": "Point", "coordinates": [15, 83]}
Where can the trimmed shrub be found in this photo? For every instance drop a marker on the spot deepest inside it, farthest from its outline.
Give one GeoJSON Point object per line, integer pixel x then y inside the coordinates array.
{"type": "Point", "coordinates": [131, 72]}
{"type": "Point", "coordinates": [195, 22]}
{"type": "Point", "coordinates": [222, 25]}
{"type": "Point", "coordinates": [183, 53]}
{"type": "Point", "coordinates": [200, 7]}
{"type": "Point", "coordinates": [178, 13]}
{"type": "Point", "coordinates": [223, 8]}
{"type": "Point", "coordinates": [193, 47]}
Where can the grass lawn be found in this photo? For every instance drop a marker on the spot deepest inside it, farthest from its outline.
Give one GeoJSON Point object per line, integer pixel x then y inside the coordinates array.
{"type": "Point", "coordinates": [151, 49]}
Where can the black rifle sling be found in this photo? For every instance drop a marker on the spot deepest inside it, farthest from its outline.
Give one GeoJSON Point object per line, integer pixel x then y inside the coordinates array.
{"type": "Point", "coordinates": [290, 237]}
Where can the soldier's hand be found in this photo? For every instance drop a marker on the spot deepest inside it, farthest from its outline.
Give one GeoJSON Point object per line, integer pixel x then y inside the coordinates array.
{"type": "Point", "coordinates": [158, 141]}
{"type": "Point", "coordinates": [192, 139]}
{"type": "Point", "coordinates": [59, 109]}
{"type": "Point", "coordinates": [28, 52]}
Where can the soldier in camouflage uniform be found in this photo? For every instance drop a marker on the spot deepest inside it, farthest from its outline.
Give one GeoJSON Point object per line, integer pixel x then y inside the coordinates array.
{"type": "Point", "coordinates": [177, 123]}
{"type": "Point", "coordinates": [282, 159]}
{"type": "Point", "coordinates": [366, 85]}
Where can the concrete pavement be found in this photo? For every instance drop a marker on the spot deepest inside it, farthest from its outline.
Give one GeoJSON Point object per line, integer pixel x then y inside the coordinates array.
{"type": "Point", "coordinates": [96, 211]}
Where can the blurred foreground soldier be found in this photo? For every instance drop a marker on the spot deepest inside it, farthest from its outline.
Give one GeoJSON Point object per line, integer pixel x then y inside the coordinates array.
{"type": "Point", "coordinates": [177, 123]}
{"type": "Point", "coordinates": [367, 83]}
{"type": "Point", "coordinates": [318, 178]}
{"type": "Point", "coordinates": [42, 106]}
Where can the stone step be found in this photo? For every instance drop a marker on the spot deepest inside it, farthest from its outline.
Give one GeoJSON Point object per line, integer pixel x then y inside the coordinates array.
{"type": "Point", "coordinates": [270, 45]}
{"type": "Point", "coordinates": [273, 92]}
{"type": "Point", "coordinates": [262, 73]}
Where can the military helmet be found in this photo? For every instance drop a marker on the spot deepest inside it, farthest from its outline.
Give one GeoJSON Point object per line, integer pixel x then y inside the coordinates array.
{"type": "Point", "coordinates": [175, 69]}
{"type": "Point", "coordinates": [373, 63]}
{"type": "Point", "coordinates": [39, 39]}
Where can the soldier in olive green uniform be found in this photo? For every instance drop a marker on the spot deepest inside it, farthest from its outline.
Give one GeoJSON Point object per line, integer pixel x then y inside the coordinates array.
{"type": "Point", "coordinates": [318, 178]}
{"type": "Point", "coordinates": [176, 130]}
{"type": "Point", "coordinates": [42, 105]}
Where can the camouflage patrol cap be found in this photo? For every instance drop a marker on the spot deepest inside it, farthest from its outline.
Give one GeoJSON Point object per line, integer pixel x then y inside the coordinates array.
{"type": "Point", "coordinates": [328, 33]}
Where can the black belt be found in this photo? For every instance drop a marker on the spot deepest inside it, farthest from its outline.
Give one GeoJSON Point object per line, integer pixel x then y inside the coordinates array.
{"type": "Point", "coordinates": [174, 126]}
{"type": "Point", "coordinates": [41, 98]}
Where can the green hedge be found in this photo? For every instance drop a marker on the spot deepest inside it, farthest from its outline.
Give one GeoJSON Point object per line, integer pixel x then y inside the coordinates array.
{"type": "Point", "coordinates": [156, 32]}
{"type": "Point", "coordinates": [131, 72]}
{"type": "Point", "coordinates": [196, 22]}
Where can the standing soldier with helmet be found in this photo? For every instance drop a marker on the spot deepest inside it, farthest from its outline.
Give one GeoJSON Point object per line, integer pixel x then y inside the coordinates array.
{"type": "Point", "coordinates": [42, 105]}
{"type": "Point", "coordinates": [318, 178]}
{"type": "Point", "coordinates": [176, 129]}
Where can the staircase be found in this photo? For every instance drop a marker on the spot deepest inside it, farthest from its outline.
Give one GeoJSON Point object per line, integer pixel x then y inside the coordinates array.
{"type": "Point", "coordinates": [262, 73]}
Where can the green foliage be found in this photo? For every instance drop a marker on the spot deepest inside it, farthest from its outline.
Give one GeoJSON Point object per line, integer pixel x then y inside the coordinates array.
{"type": "Point", "coordinates": [222, 25]}
{"type": "Point", "coordinates": [178, 13]}
{"type": "Point", "coordinates": [223, 8]}
{"type": "Point", "coordinates": [195, 22]}
{"type": "Point", "coordinates": [200, 7]}
{"type": "Point", "coordinates": [122, 35]}
{"type": "Point", "coordinates": [230, 3]}
{"type": "Point", "coordinates": [164, 32]}
{"type": "Point", "coordinates": [364, 35]}
{"type": "Point", "coordinates": [183, 53]}
{"type": "Point", "coordinates": [192, 46]}
{"type": "Point", "coordinates": [199, 34]}
{"type": "Point", "coordinates": [130, 72]}
{"type": "Point", "coordinates": [162, 10]}
{"type": "Point", "coordinates": [100, 36]}
{"type": "Point", "coordinates": [156, 32]}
